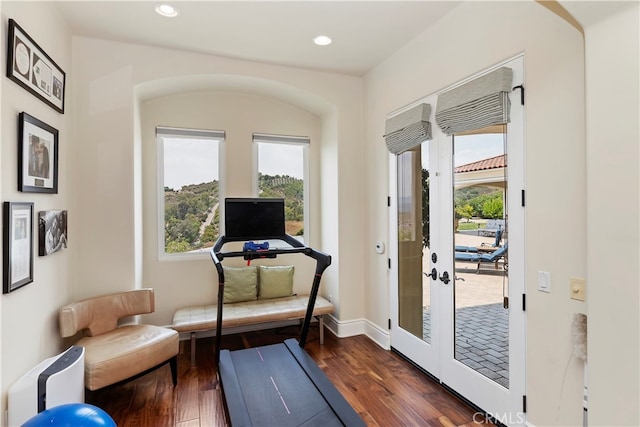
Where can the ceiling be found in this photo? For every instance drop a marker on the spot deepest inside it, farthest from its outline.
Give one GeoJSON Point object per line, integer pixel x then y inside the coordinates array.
{"type": "Point", "coordinates": [364, 33]}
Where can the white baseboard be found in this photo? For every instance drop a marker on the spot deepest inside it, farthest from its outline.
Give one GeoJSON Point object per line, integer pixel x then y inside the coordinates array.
{"type": "Point", "coordinates": [350, 328]}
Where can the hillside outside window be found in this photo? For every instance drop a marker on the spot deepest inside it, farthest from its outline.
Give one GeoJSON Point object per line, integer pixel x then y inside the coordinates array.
{"type": "Point", "coordinates": [282, 170]}
{"type": "Point", "coordinates": [189, 189]}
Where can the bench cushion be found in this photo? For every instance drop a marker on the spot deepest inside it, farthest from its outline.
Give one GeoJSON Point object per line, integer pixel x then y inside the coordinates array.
{"type": "Point", "coordinates": [203, 317]}
{"type": "Point", "coordinates": [241, 284]}
{"type": "Point", "coordinates": [126, 351]}
{"type": "Point", "coordinates": [275, 281]}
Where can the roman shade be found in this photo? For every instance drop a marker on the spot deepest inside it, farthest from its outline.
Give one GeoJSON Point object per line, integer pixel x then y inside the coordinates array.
{"type": "Point", "coordinates": [477, 104]}
{"type": "Point", "coordinates": [283, 139]}
{"type": "Point", "coordinates": [408, 129]}
{"type": "Point", "coordinates": [189, 133]}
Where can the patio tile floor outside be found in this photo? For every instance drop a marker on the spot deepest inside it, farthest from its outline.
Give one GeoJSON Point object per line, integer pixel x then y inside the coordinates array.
{"type": "Point", "coordinates": [482, 339]}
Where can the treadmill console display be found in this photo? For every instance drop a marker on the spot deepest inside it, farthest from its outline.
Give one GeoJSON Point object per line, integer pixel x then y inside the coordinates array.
{"type": "Point", "coordinates": [254, 218]}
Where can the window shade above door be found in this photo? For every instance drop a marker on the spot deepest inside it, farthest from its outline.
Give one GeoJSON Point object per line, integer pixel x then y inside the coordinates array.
{"type": "Point", "coordinates": [408, 129]}
{"type": "Point", "coordinates": [477, 104]}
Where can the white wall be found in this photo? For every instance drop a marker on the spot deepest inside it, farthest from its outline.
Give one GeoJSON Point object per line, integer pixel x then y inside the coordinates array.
{"type": "Point", "coordinates": [473, 37]}
{"type": "Point", "coordinates": [613, 218]}
{"type": "Point", "coordinates": [194, 282]}
{"type": "Point", "coordinates": [29, 315]}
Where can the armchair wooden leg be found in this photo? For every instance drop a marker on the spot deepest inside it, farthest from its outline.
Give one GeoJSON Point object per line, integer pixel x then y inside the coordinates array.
{"type": "Point", "coordinates": [173, 363]}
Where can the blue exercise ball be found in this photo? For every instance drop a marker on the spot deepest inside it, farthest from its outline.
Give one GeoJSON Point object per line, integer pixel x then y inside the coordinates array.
{"type": "Point", "coordinates": [72, 415]}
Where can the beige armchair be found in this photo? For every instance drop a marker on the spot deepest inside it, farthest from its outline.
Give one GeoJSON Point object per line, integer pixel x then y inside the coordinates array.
{"type": "Point", "coordinates": [115, 353]}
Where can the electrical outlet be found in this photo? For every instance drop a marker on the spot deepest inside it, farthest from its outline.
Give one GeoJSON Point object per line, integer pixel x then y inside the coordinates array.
{"type": "Point", "coordinates": [577, 289]}
{"type": "Point", "coordinates": [544, 281]}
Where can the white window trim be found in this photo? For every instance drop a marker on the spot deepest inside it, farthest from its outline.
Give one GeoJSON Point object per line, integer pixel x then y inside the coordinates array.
{"type": "Point", "coordinates": [262, 138]}
{"type": "Point", "coordinates": [184, 133]}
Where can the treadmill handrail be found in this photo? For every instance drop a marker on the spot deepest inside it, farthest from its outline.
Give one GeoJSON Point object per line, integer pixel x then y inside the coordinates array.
{"type": "Point", "coordinates": [322, 262]}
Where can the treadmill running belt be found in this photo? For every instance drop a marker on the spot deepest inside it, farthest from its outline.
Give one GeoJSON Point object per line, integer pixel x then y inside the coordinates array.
{"type": "Point", "coordinates": [276, 390]}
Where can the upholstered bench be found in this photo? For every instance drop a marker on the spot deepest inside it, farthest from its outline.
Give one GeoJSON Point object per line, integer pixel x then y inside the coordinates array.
{"type": "Point", "coordinates": [203, 317]}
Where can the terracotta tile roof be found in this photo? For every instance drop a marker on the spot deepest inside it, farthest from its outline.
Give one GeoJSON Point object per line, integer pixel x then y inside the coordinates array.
{"type": "Point", "coordinates": [484, 164]}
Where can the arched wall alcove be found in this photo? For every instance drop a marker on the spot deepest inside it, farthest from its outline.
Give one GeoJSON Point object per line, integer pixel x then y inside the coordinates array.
{"type": "Point", "coordinates": [239, 105]}
{"type": "Point", "coordinates": [109, 92]}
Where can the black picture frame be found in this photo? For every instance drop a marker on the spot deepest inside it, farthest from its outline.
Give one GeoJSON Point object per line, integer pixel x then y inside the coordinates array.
{"type": "Point", "coordinates": [30, 67]}
{"type": "Point", "coordinates": [37, 156]}
{"type": "Point", "coordinates": [17, 232]}
{"type": "Point", "coordinates": [52, 231]}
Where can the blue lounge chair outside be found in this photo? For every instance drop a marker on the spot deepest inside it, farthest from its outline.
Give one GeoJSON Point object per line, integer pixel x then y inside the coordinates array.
{"type": "Point", "coordinates": [473, 249]}
{"type": "Point", "coordinates": [493, 257]}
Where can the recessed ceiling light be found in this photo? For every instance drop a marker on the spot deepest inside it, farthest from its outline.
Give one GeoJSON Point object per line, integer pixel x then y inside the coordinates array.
{"type": "Point", "coordinates": [322, 40]}
{"type": "Point", "coordinates": [167, 10]}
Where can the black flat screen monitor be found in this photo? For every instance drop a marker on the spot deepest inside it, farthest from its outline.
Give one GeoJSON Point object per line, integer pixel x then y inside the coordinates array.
{"type": "Point", "coordinates": [254, 218]}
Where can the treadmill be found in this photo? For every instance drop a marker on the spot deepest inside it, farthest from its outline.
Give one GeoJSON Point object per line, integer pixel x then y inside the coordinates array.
{"type": "Point", "coordinates": [278, 384]}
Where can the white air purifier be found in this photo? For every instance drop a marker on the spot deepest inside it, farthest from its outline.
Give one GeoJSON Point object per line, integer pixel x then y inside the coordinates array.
{"type": "Point", "coordinates": [53, 382]}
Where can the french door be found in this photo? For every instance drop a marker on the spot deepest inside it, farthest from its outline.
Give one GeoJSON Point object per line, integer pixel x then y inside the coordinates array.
{"type": "Point", "coordinates": [457, 283]}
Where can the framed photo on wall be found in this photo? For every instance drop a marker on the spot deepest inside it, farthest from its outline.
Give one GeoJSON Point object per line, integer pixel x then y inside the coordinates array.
{"type": "Point", "coordinates": [17, 231]}
{"type": "Point", "coordinates": [52, 231]}
{"type": "Point", "coordinates": [37, 156]}
{"type": "Point", "coordinates": [30, 67]}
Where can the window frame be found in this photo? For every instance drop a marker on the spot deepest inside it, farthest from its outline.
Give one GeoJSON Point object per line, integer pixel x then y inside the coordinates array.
{"type": "Point", "coordinates": [163, 132]}
{"type": "Point", "coordinates": [300, 141]}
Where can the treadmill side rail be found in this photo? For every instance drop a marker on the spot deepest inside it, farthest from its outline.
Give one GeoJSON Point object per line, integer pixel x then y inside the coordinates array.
{"type": "Point", "coordinates": [235, 405]}
{"type": "Point", "coordinates": [347, 415]}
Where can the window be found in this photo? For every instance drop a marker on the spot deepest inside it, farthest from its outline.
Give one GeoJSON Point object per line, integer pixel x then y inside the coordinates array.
{"type": "Point", "coordinates": [282, 173]}
{"type": "Point", "coordinates": [189, 189]}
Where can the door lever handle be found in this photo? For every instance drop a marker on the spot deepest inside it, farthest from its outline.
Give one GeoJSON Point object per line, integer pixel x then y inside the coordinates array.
{"type": "Point", "coordinates": [445, 277]}
{"type": "Point", "coordinates": [433, 274]}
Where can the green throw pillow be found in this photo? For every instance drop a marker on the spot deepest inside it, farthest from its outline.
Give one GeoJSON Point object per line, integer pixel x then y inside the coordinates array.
{"type": "Point", "coordinates": [276, 281]}
{"type": "Point", "coordinates": [240, 284]}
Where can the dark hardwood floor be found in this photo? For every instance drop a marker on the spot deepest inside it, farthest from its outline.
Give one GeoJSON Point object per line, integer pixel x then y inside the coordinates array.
{"type": "Point", "coordinates": [382, 387]}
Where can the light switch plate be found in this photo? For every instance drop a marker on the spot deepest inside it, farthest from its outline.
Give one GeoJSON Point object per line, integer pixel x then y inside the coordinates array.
{"type": "Point", "coordinates": [544, 281]}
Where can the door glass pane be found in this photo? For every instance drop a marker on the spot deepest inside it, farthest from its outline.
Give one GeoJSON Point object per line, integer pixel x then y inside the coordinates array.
{"type": "Point", "coordinates": [480, 241]}
{"type": "Point", "coordinates": [413, 242]}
